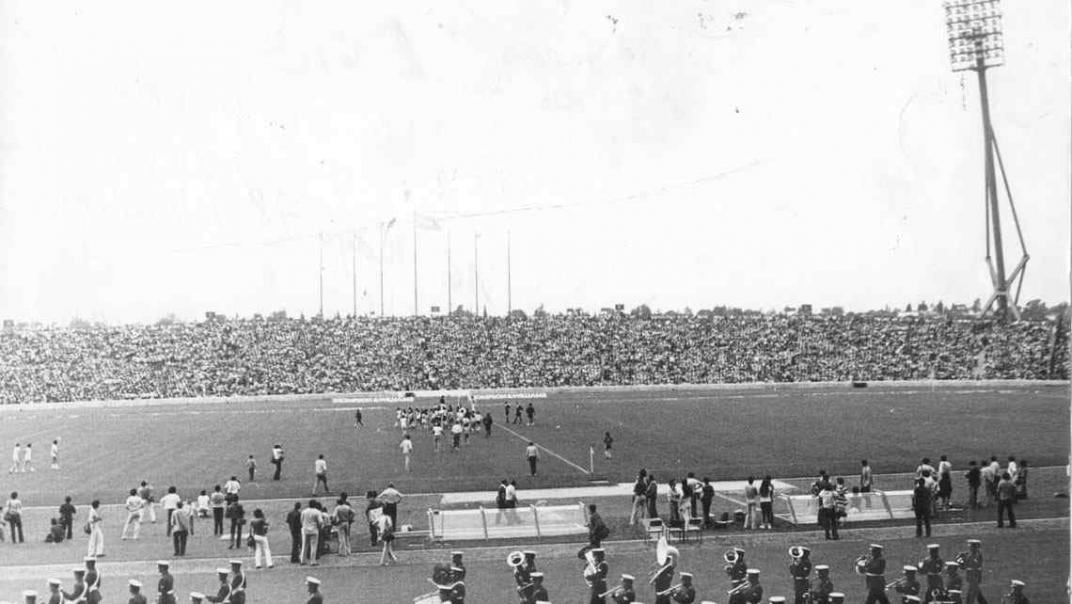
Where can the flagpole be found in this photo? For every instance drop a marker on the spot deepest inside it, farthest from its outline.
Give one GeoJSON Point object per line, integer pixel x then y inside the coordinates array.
{"type": "Point", "coordinates": [321, 274]}
{"type": "Point", "coordinates": [353, 253]}
{"type": "Point", "coordinates": [509, 284]}
{"type": "Point", "coordinates": [381, 268]}
{"type": "Point", "coordinates": [476, 275]}
{"type": "Point", "coordinates": [415, 309]}
{"type": "Point", "coordinates": [450, 308]}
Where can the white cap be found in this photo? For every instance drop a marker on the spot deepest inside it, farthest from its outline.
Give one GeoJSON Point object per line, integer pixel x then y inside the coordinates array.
{"type": "Point", "coordinates": [223, 571]}
{"type": "Point", "coordinates": [312, 580]}
{"type": "Point", "coordinates": [197, 594]}
{"type": "Point", "coordinates": [683, 575]}
{"type": "Point", "coordinates": [89, 559]}
{"type": "Point", "coordinates": [54, 582]}
{"type": "Point", "coordinates": [876, 546]}
{"type": "Point", "coordinates": [910, 569]}
{"type": "Point", "coordinates": [536, 574]}
{"type": "Point", "coordinates": [455, 553]}
{"type": "Point", "coordinates": [626, 577]}
{"type": "Point", "coordinates": [934, 546]}
{"type": "Point", "coordinates": [753, 571]}
{"type": "Point", "coordinates": [911, 599]}
{"type": "Point", "coordinates": [974, 542]}
{"type": "Point", "coordinates": [29, 593]}
{"type": "Point", "coordinates": [135, 583]}
{"type": "Point", "coordinates": [236, 563]}
{"type": "Point", "coordinates": [1018, 583]}
{"type": "Point", "coordinates": [777, 600]}
{"type": "Point", "coordinates": [837, 594]}
{"type": "Point", "coordinates": [951, 564]}
{"type": "Point", "coordinates": [163, 563]}
{"type": "Point", "coordinates": [819, 567]}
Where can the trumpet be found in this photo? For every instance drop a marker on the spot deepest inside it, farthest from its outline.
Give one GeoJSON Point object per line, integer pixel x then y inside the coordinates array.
{"type": "Point", "coordinates": [740, 588]}
{"type": "Point", "coordinates": [669, 590]}
{"type": "Point", "coordinates": [895, 583]}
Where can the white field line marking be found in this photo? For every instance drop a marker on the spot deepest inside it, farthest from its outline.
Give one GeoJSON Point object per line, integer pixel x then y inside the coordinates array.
{"type": "Point", "coordinates": [549, 451]}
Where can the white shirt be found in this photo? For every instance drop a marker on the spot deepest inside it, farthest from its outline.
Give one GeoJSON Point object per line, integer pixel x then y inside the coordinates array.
{"type": "Point", "coordinates": [1012, 469]}
{"type": "Point", "coordinates": [321, 466]}
{"type": "Point", "coordinates": [202, 502]}
{"type": "Point", "coordinates": [134, 503]}
{"type": "Point", "coordinates": [55, 450]}
{"type": "Point", "coordinates": [437, 431]}
{"type": "Point", "coordinates": [232, 487]}
{"type": "Point", "coordinates": [170, 501]}
{"type": "Point", "coordinates": [15, 454]}
{"type": "Point", "coordinates": [26, 454]}
{"type": "Point", "coordinates": [406, 445]}
{"type": "Point", "coordinates": [456, 429]}
{"type": "Point", "coordinates": [511, 492]}
{"type": "Point", "coordinates": [277, 452]}
{"type": "Point", "coordinates": [945, 467]}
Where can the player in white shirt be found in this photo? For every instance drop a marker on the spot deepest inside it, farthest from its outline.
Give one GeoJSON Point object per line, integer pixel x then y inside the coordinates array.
{"type": "Point", "coordinates": [232, 486]}
{"type": "Point", "coordinates": [170, 503]}
{"type": "Point", "coordinates": [16, 459]}
{"type": "Point", "coordinates": [407, 448]}
{"type": "Point", "coordinates": [27, 458]}
{"type": "Point", "coordinates": [321, 469]}
{"type": "Point", "coordinates": [55, 454]}
{"type": "Point", "coordinates": [437, 437]}
{"type": "Point", "coordinates": [134, 506]}
{"type": "Point", "coordinates": [202, 505]}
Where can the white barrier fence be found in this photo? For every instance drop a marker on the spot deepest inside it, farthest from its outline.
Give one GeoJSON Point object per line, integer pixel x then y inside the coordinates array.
{"type": "Point", "coordinates": [876, 505]}
{"type": "Point", "coordinates": [531, 521]}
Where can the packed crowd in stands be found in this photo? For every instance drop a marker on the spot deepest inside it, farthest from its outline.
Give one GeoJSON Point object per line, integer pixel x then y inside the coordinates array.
{"type": "Point", "coordinates": [289, 356]}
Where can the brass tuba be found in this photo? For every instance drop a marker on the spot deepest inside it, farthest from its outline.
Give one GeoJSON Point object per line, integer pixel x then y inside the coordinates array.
{"type": "Point", "coordinates": [860, 564]}
{"type": "Point", "coordinates": [515, 559]}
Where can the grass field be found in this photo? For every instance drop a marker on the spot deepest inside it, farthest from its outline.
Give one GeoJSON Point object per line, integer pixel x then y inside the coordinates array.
{"type": "Point", "coordinates": [726, 433]}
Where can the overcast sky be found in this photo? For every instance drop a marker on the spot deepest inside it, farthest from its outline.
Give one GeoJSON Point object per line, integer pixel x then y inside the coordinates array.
{"type": "Point", "coordinates": [182, 159]}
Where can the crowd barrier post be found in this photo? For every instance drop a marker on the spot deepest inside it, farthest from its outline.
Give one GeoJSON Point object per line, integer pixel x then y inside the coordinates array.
{"type": "Point", "coordinates": [886, 503]}
{"type": "Point", "coordinates": [484, 521]}
{"type": "Point", "coordinates": [536, 519]}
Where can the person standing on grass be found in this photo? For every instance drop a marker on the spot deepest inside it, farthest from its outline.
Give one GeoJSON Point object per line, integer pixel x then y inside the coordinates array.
{"type": "Point", "coordinates": [390, 498]}
{"type": "Point", "coordinates": [311, 519]}
{"type": "Point", "coordinates": [320, 466]}
{"type": "Point", "coordinates": [866, 480]}
{"type": "Point", "coordinates": [145, 491]}
{"type": "Point", "coordinates": [500, 502]}
{"type": "Point", "coordinates": [259, 529]}
{"type": "Point", "coordinates": [995, 471]}
{"type": "Point", "coordinates": [530, 413]}
{"type": "Point", "coordinates": [96, 533]}
{"type": "Point", "coordinates": [751, 498]}
{"type": "Point", "coordinates": [27, 458]}
{"type": "Point", "coordinates": [608, 440]}
{"type": "Point", "coordinates": [945, 481]}
{"type": "Point", "coordinates": [165, 585]}
{"type": "Point", "coordinates": [134, 505]}
{"type": "Point", "coordinates": [766, 503]}
{"type": "Point", "coordinates": [232, 488]}
{"type": "Point", "coordinates": [277, 460]}
{"type": "Point", "coordinates": [386, 529]}
{"type": "Point", "coordinates": [358, 423]}
{"type": "Point", "coordinates": [974, 479]}
{"type": "Point", "coordinates": [597, 529]}
{"type": "Point", "coordinates": [517, 413]}
{"type": "Point", "coordinates": [237, 514]}
{"type": "Point", "coordinates": [343, 518]}
{"type": "Point", "coordinates": [373, 510]}
{"type": "Point", "coordinates": [707, 497]}
{"type": "Point", "coordinates": [1006, 494]}
{"type": "Point", "coordinates": [1021, 481]}
{"type": "Point", "coordinates": [651, 495]}
{"type": "Point", "coordinates": [828, 511]}
{"type": "Point", "coordinates": [487, 425]}
{"type": "Point", "coordinates": [437, 436]}
{"type": "Point", "coordinates": [989, 483]}
{"type": "Point", "coordinates": [251, 468]}
{"type": "Point", "coordinates": [455, 436]}
{"type": "Point", "coordinates": [180, 522]}
{"type": "Point", "coordinates": [13, 516]}
{"type": "Point", "coordinates": [16, 459]}
{"type": "Point", "coordinates": [218, 501]}
{"type": "Point", "coordinates": [506, 420]}
{"type": "Point", "coordinates": [532, 454]}
{"type": "Point", "coordinates": [406, 446]}
{"type": "Point", "coordinates": [639, 506]}
{"type": "Point", "coordinates": [55, 454]}
{"type": "Point", "coordinates": [511, 503]}
{"type": "Point", "coordinates": [313, 585]}
{"type": "Point", "coordinates": [170, 503]}
{"type": "Point", "coordinates": [294, 523]}
{"type": "Point", "coordinates": [921, 506]}
{"type": "Point", "coordinates": [67, 512]}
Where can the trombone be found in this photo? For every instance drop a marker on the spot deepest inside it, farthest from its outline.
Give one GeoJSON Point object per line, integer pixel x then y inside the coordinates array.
{"type": "Point", "coordinates": [739, 589]}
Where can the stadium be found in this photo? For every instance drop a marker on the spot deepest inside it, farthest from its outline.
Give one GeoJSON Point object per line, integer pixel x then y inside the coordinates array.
{"type": "Point", "coordinates": [243, 323]}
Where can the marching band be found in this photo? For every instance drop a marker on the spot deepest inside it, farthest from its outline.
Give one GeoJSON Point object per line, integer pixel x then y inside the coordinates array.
{"type": "Point", "coordinates": [944, 584]}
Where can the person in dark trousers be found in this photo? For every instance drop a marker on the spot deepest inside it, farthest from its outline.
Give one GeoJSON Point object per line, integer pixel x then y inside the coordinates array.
{"type": "Point", "coordinates": [532, 454]}
{"type": "Point", "coordinates": [651, 494]}
{"type": "Point", "coordinates": [707, 495]}
{"type": "Point", "coordinates": [597, 529]}
{"type": "Point", "coordinates": [974, 480]}
{"type": "Point", "coordinates": [294, 524]}
{"type": "Point", "coordinates": [517, 414]}
{"type": "Point", "coordinates": [67, 512]}
{"type": "Point", "coordinates": [218, 502]}
{"type": "Point", "coordinates": [487, 425]}
{"type": "Point", "coordinates": [530, 413]}
{"type": "Point", "coordinates": [277, 460]}
{"type": "Point", "coordinates": [180, 521]}
{"type": "Point", "coordinates": [1006, 493]}
{"type": "Point", "coordinates": [237, 514]}
{"type": "Point", "coordinates": [921, 505]}
{"type": "Point", "coordinates": [506, 408]}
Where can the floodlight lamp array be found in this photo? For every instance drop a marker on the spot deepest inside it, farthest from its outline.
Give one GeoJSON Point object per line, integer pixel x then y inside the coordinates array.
{"type": "Point", "coordinates": [975, 31]}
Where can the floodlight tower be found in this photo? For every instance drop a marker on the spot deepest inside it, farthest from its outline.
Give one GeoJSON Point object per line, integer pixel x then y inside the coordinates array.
{"type": "Point", "coordinates": [975, 43]}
